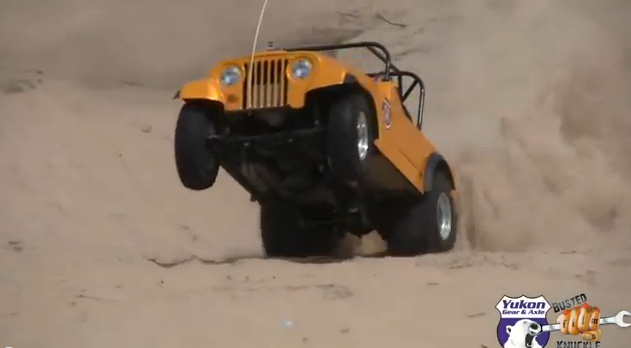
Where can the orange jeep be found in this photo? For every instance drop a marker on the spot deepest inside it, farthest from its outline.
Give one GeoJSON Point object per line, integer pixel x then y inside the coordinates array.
{"type": "Point", "coordinates": [325, 149]}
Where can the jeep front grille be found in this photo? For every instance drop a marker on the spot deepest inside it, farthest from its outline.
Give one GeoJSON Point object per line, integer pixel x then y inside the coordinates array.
{"type": "Point", "coordinates": [269, 84]}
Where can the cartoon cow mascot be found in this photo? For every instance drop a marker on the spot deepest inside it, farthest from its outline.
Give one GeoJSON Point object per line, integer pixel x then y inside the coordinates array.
{"type": "Point", "coordinates": [523, 334]}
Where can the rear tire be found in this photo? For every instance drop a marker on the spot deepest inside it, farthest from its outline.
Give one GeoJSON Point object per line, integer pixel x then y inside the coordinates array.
{"type": "Point", "coordinates": [284, 235]}
{"type": "Point", "coordinates": [425, 225]}
{"type": "Point", "coordinates": [350, 136]}
{"type": "Point", "coordinates": [197, 166]}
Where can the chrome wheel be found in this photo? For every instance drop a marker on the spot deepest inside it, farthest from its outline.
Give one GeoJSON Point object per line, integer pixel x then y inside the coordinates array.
{"type": "Point", "coordinates": [362, 136]}
{"type": "Point", "coordinates": [445, 217]}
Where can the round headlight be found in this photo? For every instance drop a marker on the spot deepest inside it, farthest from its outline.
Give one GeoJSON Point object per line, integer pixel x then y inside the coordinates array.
{"type": "Point", "coordinates": [301, 68]}
{"type": "Point", "coordinates": [230, 75]}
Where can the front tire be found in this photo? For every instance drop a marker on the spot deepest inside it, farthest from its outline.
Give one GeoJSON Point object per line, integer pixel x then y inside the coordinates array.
{"type": "Point", "coordinates": [424, 225]}
{"type": "Point", "coordinates": [350, 136]}
{"type": "Point", "coordinates": [284, 235]}
{"type": "Point", "coordinates": [197, 166]}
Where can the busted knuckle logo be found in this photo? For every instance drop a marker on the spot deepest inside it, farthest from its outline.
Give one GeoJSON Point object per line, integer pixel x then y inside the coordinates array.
{"type": "Point", "coordinates": [583, 320]}
{"type": "Point", "coordinates": [521, 321]}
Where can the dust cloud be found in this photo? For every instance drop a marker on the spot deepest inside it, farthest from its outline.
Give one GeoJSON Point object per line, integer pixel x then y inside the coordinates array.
{"type": "Point", "coordinates": [530, 101]}
{"type": "Point", "coordinates": [552, 170]}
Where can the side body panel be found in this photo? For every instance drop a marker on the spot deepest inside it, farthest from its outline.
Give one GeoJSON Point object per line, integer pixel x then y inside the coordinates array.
{"type": "Point", "coordinates": [399, 139]}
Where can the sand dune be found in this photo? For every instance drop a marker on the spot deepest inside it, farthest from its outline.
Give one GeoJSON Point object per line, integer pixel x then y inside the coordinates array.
{"type": "Point", "coordinates": [100, 245]}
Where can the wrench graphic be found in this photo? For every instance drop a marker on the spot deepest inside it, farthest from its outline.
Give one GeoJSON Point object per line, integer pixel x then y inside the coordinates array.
{"type": "Point", "coordinates": [618, 319]}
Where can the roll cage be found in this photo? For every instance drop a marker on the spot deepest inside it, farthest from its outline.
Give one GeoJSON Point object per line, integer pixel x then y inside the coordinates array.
{"type": "Point", "coordinates": [390, 71]}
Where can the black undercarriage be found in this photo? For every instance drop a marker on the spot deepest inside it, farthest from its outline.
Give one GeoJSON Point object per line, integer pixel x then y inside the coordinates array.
{"type": "Point", "coordinates": [279, 155]}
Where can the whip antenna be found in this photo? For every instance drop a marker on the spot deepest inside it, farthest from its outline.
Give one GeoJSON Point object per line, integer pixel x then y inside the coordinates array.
{"type": "Point", "coordinates": [256, 38]}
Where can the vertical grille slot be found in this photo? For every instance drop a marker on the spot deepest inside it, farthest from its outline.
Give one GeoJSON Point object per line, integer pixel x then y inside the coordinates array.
{"type": "Point", "coordinates": [269, 84]}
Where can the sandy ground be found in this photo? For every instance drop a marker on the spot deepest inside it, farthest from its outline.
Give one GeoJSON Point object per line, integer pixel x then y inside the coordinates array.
{"type": "Point", "coordinates": [100, 246]}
